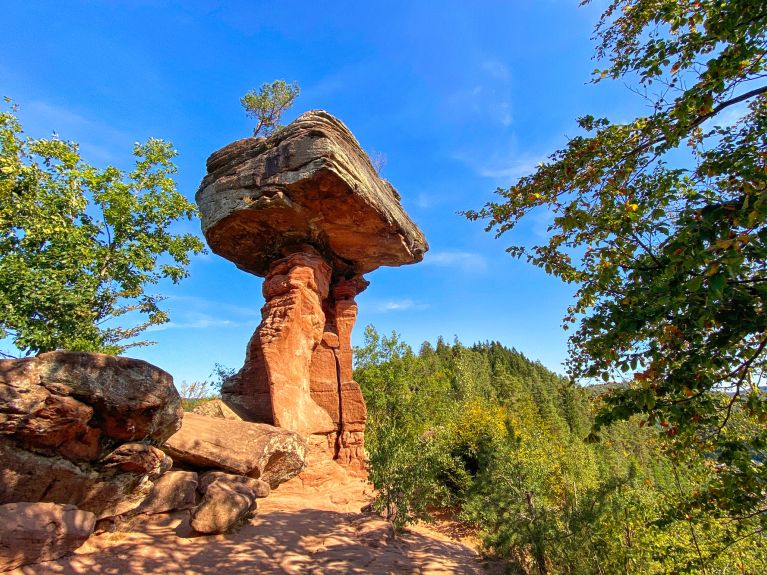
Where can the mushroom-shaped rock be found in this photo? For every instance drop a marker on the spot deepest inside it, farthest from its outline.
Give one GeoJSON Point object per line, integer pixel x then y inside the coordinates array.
{"type": "Point", "coordinates": [309, 183]}
{"type": "Point", "coordinates": [306, 209]}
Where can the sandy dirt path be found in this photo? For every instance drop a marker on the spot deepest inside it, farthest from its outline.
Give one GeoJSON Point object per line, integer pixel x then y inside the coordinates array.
{"type": "Point", "coordinates": [310, 525]}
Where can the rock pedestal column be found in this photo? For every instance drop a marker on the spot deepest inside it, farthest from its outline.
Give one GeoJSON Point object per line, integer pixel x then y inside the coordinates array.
{"type": "Point", "coordinates": [273, 386]}
{"type": "Point", "coordinates": [306, 210]}
{"type": "Point", "coordinates": [332, 385]}
{"type": "Point", "coordinates": [298, 367]}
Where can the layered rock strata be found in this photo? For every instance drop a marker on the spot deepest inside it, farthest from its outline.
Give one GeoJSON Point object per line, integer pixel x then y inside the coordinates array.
{"type": "Point", "coordinates": [305, 209]}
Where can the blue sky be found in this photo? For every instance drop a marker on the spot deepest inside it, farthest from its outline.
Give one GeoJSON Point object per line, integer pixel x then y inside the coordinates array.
{"type": "Point", "coordinates": [460, 97]}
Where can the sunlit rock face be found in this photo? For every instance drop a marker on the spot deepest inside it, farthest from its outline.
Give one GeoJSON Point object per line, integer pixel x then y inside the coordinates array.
{"type": "Point", "coordinates": [306, 210]}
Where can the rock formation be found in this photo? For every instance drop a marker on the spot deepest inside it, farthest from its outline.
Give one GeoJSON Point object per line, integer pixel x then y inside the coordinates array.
{"type": "Point", "coordinates": [305, 209]}
{"type": "Point", "coordinates": [240, 447]}
{"type": "Point", "coordinates": [75, 429]}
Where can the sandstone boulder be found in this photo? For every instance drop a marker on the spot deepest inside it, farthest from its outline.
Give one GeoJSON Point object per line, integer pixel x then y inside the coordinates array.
{"type": "Point", "coordinates": [77, 428]}
{"type": "Point", "coordinates": [174, 490]}
{"type": "Point", "coordinates": [310, 183]}
{"type": "Point", "coordinates": [258, 487]}
{"type": "Point", "coordinates": [28, 476]}
{"type": "Point", "coordinates": [35, 532]}
{"type": "Point", "coordinates": [243, 448]}
{"type": "Point", "coordinates": [223, 506]}
{"type": "Point", "coordinates": [71, 403]}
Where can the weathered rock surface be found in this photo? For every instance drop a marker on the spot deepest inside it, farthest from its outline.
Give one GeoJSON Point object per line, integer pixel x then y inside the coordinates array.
{"type": "Point", "coordinates": [174, 490]}
{"type": "Point", "coordinates": [258, 487]}
{"type": "Point", "coordinates": [243, 448]}
{"type": "Point", "coordinates": [310, 183]}
{"type": "Point", "coordinates": [57, 400]}
{"type": "Point", "coordinates": [28, 476]}
{"type": "Point", "coordinates": [224, 505]}
{"type": "Point", "coordinates": [70, 426]}
{"type": "Point", "coordinates": [35, 532]}
{"type": "Point", "coordinates": [274, 384]}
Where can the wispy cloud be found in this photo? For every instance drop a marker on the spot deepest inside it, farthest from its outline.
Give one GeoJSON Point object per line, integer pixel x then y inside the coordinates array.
{"type": "Point", "coordinates": [510, 170]}
{"type": "Point", "coordinates": [505, 167]}
{"type": "Point", "coordinates": [386, 306]}
{"type": "Point", "coordinates": [202, 306]}
{"type": "Point", "coordinates": [484, 96]}
{"type": "Point", "coordinates": [496, 69]}
{"type": "Point", "coordinates": [97, 140]}
{"type": "Point", "coordinates": [199, 322]}
{"type": "Point", "coordinates": [730, 116]}
{"type": "Point", "coordinates": [465, 261]}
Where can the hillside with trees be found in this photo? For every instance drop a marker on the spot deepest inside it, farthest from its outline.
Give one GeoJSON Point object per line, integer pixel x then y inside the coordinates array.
{"type": "Point", "coordinates": [502, 443]}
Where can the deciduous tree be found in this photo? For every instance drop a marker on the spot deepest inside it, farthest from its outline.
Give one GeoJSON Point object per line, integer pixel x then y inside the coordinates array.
{"type": "Point", "coordinates": [662, 223]}
{"type": "Point", "coordinates": [79, 245]}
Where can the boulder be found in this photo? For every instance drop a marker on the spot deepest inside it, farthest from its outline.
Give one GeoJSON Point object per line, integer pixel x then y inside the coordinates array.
{"type": "Point", "coordinates": [72, 403]}
{"type": "Point", "coordinates": [258, 487]}
{"type": "Point", "coordinates": [223, 507]}
{"type": "Point", "coordinates": [137, 458]}
{"type": "Point", "coordinates": [309, 183]}
{"type": "Point", "coordinates": [77, 428]}
{"type": "Point", "coordinates": [243, 448]}
{"type": "Point", "coordinates": [35, 532]}
{"type": "Point", "coordinates": [174, 490]}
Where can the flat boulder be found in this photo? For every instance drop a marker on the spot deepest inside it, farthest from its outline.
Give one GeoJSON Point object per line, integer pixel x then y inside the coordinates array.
{"type": "Point", "coordinates": [35, 532]}
{"type": "Point", "coordinates": [257, 450]}
{"type": "Point", "coordinates": [308, 183]}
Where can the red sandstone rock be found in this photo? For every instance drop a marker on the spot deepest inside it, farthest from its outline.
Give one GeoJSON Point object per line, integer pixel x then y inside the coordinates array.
{"type": "Point", "coordinates": [274, 384]}
{"type": "Point", "coordinates": [49, 401]}
{"type": "Point", "coordinates": [35, 532]}
{"type": "Point", "coordinates": [28, 476]}
{"type": "Point", "coordinates": [174, 490]}
{"type": "Point", "coordinates": [217, 408]}
{"type": "Point", "coordinates": [306, 209]}
{"type": "Point", "coordinates": [309, 183]}
{"type": "Point", "coordinates": [223, 506]}
{"type": "Point", "coordinates": [137, 458]}
{"type": "Point", "coordinates": [243, 448]}
{"type": "Point", "coordinates": [65, 419]}
{"type": "Point", "coordinates": [258, 487]}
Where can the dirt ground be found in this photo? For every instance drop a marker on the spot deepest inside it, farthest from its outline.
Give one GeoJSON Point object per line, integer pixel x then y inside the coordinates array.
{"type": "Point", "coordinates": [309, 525]}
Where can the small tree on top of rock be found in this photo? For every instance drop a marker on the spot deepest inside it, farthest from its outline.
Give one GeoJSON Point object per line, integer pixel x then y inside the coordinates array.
{"type": "Point", "coordinates": [268, 103]}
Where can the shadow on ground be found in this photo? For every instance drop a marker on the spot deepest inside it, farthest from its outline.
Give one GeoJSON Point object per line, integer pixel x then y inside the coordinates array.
{"type": "Point", "coordinates": [307, 541]}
